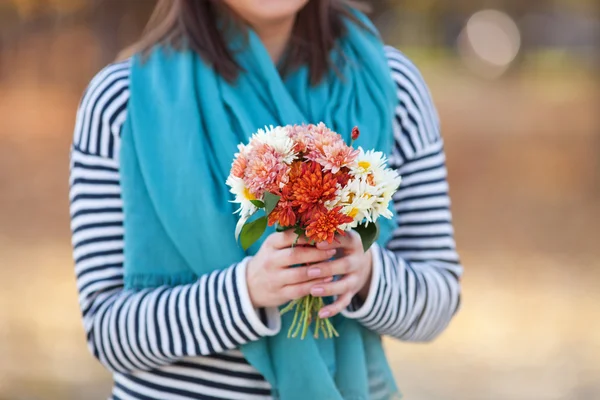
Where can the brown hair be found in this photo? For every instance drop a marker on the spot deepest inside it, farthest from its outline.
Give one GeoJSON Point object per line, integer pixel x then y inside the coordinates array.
{"type": "Point", "coordinates": [192, 23]}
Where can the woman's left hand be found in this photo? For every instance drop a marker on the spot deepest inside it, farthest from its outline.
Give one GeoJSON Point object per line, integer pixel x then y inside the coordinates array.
{"type": "Point", "coordinates": [352, 263]}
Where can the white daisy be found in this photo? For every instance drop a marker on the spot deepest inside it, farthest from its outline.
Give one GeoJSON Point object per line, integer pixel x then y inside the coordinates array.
{"type": "Point", "coordinates": [243, 197]}
{"type": "Point", "coordinates": [387, 184]}
{"type": "Point", "coordinates": [359, 209]}
{"type": "Point", "coordinates": [357, 199]}
{"type": "Point", "coordinates": [368, 162]}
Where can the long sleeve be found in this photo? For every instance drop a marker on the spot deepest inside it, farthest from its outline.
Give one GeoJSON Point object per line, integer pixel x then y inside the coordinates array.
{"type": "Point", "coordinates": [415, 286]}
{"type": "Point", "coordinates": [134, 331]}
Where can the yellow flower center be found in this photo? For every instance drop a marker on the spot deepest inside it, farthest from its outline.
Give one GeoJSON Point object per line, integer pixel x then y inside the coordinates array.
{"type": "Point", "coordinates": [364, 164]}
{"type": "Point", "coordinates": [248, 195]}
{"type": "Point", "coordinates": [353, 213]}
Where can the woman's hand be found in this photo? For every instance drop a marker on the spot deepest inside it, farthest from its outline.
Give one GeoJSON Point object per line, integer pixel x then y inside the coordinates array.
{"type": "Point", "coordinates": [271, 282]}
{"type": "Point", "coordinates": [353, 264]}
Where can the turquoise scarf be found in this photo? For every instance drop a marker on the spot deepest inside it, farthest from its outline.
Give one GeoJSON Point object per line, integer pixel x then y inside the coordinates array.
{"type": "Point", "coordinates": [184, 123]}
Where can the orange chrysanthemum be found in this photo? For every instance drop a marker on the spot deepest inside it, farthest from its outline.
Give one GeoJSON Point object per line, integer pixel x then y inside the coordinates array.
{"type": "Point", "coordinates": [283, 215]}
{"type": "Point", "coordinates": [324, 224]}
{"type": "Point", "coordinates": [295, 172]}
{"type": "Point", "coordinates": [309, 185]}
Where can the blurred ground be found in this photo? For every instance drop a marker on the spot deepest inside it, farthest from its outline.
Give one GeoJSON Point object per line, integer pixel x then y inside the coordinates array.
{"type": "Point", "coordinates": [524, 174]}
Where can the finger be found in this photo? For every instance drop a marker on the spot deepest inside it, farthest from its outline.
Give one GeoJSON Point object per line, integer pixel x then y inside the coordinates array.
{"type": "Point", "coordinates": [340, 266]}
{"type": "Point", "coordinates": [339, 242]}
{"type": "Point", "coordinates": [298, 290]}
{"type": "Point", "coordinates": [337, 288]}
{"type": "Point", "coordinates": [301, 256]}
{"type": "Point", "coordinates": [295, 275]}
{"type": "Point", "coordinates": [345, 241]}
{"type": "Point", "coordinates": [281, 240]}
{"type": "Point", "coordinates": [336, 307]}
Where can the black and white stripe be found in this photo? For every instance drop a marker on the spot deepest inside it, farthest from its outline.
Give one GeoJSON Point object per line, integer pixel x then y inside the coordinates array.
{"type": "Point", "coordinates": [181, 342]}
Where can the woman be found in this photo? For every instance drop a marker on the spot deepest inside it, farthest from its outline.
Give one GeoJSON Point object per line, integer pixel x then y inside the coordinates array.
{"type": "Point", "coordinates": [147, 124]}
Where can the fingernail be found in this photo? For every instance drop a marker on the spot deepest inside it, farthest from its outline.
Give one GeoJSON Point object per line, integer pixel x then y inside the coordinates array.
{"type": "Point", "coordinates": [317, 291]}
{"type": "Point", "coordinates": [331, 253]}
{"type": "Point", "coordinates": [324, 314]}
{"type": "Point", "coordinates": [314, 272]}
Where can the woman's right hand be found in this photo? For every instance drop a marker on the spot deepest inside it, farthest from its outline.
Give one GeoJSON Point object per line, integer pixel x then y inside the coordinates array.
{"type": "Point", "coordinates": [271, 281]}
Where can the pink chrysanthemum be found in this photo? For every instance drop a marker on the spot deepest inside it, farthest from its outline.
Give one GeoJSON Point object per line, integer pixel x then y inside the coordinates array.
{"type": "Point", "coordinates": [328, 149]}
{"type": "Point", "coordinates": [238, 168]}
{"type": "Point", "coordinates": [265, 170]}
{"type": "Point", "coordinates": [302, 137]}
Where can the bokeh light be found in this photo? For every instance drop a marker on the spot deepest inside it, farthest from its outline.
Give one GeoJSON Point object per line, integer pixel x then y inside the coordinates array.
{"type": "Point", "coordinates": [489, 43]}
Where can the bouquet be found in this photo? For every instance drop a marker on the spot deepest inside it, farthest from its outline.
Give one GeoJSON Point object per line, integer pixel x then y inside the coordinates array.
{"type": "Point", "coordinates": [306, 178]}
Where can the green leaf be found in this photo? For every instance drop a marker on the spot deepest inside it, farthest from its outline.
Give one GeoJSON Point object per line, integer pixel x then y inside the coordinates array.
{"type": "Point", "coordinates": [271, 201]}
{"type": "Point", "coordinates": [252, 231]}
{"type": "Point", "coordinates": [258, 203]}
{"type": "Point", "coordinates": [368, 234]}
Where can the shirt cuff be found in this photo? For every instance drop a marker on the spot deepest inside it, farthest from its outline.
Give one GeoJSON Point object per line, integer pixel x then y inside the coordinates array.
{"type": "Point", "coordinates": [358, 311]}
{"type": "Point", "coordinates": [272, 325]}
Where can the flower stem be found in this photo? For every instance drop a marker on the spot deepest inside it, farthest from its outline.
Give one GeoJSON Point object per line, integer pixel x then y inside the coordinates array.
{"type": "Point", "coordinates": [307, 316]}
{"type": "Point", "coordinates": [329, 330]}
{"type": "Point", "coordinates": [325, 335]}
{"type": "Point", "coordinates": [296, 241]}
{"type": "Point", "coordinates": [296, 312]}
{"type": "Point", "coordinates": [335, 333]}
{"type": "Point", "coordinates": [317, 324]}
{"type": "Point", "coordinates": [306, 311]}
{"type": "Point", "coordinates": [298, 324]}
{"type": "Point", "coordinates": [289, 307]}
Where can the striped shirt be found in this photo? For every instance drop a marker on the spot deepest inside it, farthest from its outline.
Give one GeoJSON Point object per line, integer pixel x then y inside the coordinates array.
{"type": "Point", "coordinates": [182, 342]}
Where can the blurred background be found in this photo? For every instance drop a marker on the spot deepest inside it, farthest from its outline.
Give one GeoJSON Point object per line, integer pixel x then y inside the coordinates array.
{"type": "Point", "coordinates": [517, 84]}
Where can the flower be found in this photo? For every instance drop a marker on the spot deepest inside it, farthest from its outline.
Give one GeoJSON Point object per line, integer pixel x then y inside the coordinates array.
{"type": "Point", "coordinates": [283, 214]}
{"type": "Point", "coordinates": [324, 186]}
{"type": "Point", "coordinates": [370, 194]}
{"type": "Point", "coordinates": [328, 149]}
{"type": "Point", "coordinates": [343, 176]}
{"type": "Point", "coordinates": [359, 209]}
{"type": "Point", "coordinates": [324, 224]}
{"type": "Point", "coordinates": [357, 199]}
{"type": "Point", "coordinates": [302, 137]}
{"type": "Point", "coordinates": [388, 184]}
{"type": "Point", "coordinates": [369, 162]}
{"type": "Point", "coordinates": [266, 170]}
{"type": "Point", "coordinates": [309, 185]}
{"type": "Point", "coordinates": [244, 198]}
{"type": "Point", "coordinates": [238, 167]}
{"type": "Point", "coordinates": [278, 138]}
